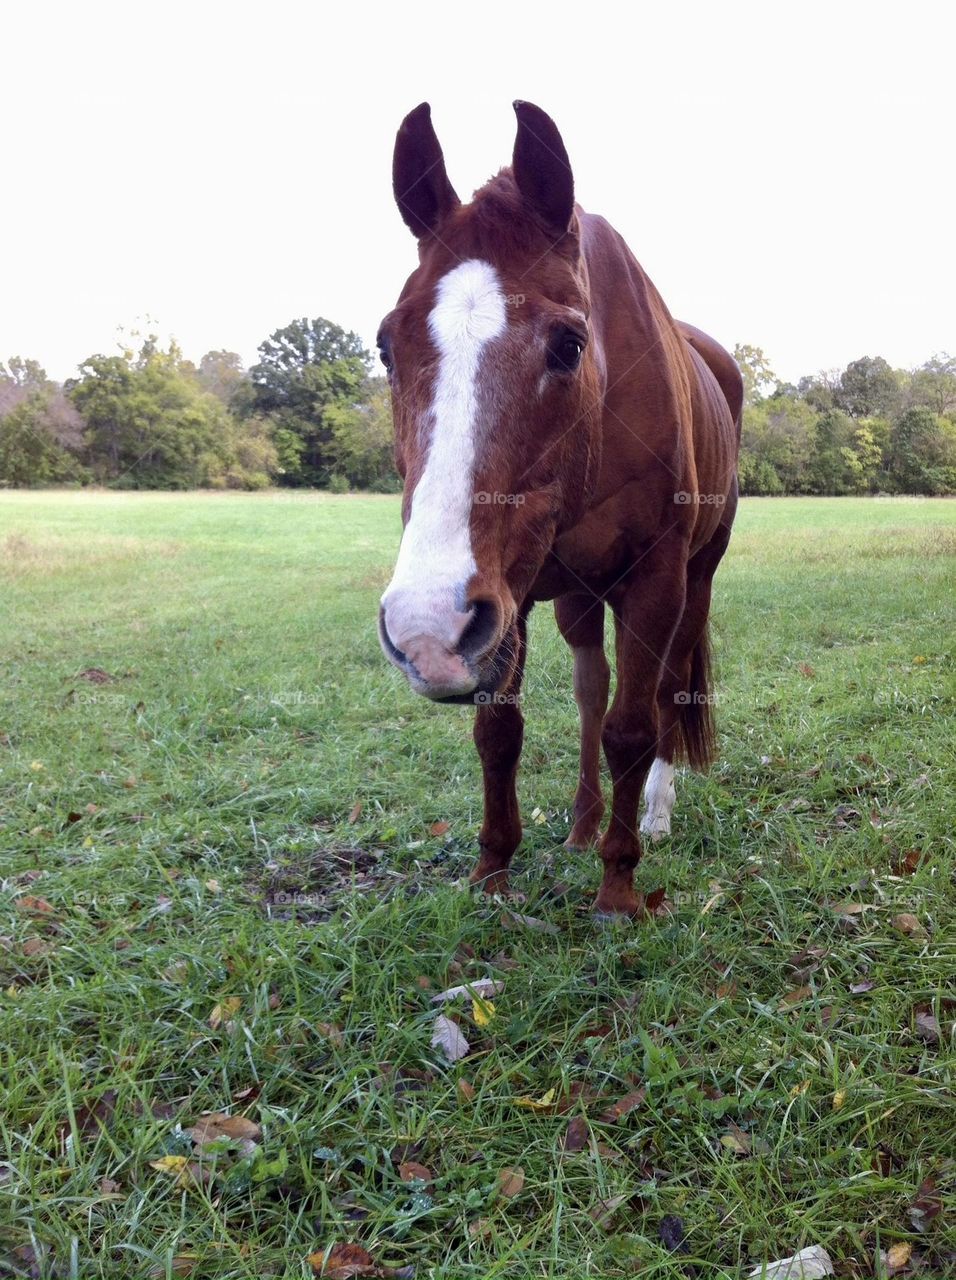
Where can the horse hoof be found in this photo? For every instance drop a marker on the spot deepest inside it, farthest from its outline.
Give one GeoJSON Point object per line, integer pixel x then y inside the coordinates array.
{"type": "Point", "coordinates": [656, 826]}
{"type": "Point", "coordinates": [605, 919]}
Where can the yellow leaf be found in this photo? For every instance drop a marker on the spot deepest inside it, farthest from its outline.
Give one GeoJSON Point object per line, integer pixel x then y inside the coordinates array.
{"type": "Point", "coordinates": [177, 1167]}
{"type": "Point", "coordinates": [223, 1011]}
{"type": "Point", "coordinates": [36, 766]}
{"type": "Point", "coordinates": [544, 1103]}
{"type": "Point", "coordinates": [483, 1011]}
{"type": "Point", "coordinates": [898, 1256]}
{"type": "Point", "coordinates": [797, 1089]}
{"type": "Point", "coordinates": [839, 1098]}
{"type": "Point", "coordinates": [213, 886]}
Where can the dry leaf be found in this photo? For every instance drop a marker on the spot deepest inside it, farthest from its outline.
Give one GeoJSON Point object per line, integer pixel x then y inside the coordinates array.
{"type": "Point", "coordinates": [511, 919]}
{"type": "Point", "coordinates": [180, 1265]}
{"type": "Point", "coordinates": [480, 1229]}
{"type": "Point", "coordinates": [896, 1258]}
{"type": "Point", "coordinates": [577, 1135]}
{"type": "Point", "coordinates": [448, 1037]}
{"type": "Point", "coordinates": [214, 1125]}
{"type": "Point", "coordinates": [797, 996]}
{"type": "Point", "coordinates": [177, 1167]}
{"type": "Point", "coordinates": [484, 988]}
{"type": "Point", "coordinates": [332, 1032]}
{"type": "Point", "coordinates": [466, 1090]}
{"type": "Point", "coordinates": [410, 1171]}
{"type": "Point", "coordinates": [839, 1098]}
{"type": "Point", "coordinates": [35, 947]}
{"type": "Point", "coordinates": [623, 1106]}
{"type": "Point", "coordinates": [354, 815]}
{"type": "Point", "coordinates": [483, 1012]}
{"type": "Point", "coordinates": [36, 906]}
{"type": "Point", "coordinates": [511, 1182]}
{"type": "Point", "coordinates": [544, 1103]}
{"type": "Point", "coordinates": [602, 1213]}
{"type": "Point", "coordinates": [223, 1011]}
{"type": "Point", "coordinates": [908, 924]}
{"type": "Point", "coordinates": [812, 1263]}
{"type": "Point", "coordinates": [928, 1028]}
{"type": "Point", "coordinates": [342, 1262]}
{"type": "Point", "coordinates": [858, 988]}
{"type": "Point", "coordinates": [439, 828]}
{"type": "Point", "coordinates": [927, 1205]}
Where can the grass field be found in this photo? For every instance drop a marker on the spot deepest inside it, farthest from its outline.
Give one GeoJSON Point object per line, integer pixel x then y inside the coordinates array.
{"type": "Point", "coordinates": [229, 886]}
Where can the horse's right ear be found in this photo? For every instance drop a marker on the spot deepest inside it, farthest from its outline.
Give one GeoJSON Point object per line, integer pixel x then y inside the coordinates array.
{"type": "Point", "coordinates": [423, 193]}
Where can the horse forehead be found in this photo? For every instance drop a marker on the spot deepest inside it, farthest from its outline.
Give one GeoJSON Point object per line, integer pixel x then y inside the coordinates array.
{"type": "Point", "coordinates": [469, 307]}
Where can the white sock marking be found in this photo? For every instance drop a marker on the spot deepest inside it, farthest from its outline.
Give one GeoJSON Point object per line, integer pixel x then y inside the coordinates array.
{"type": "Point", "coordinates": [660, 794]}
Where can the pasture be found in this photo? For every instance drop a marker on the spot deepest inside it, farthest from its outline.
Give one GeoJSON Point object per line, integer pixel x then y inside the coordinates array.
{"type": "Point", "coordinates": [233, 846]}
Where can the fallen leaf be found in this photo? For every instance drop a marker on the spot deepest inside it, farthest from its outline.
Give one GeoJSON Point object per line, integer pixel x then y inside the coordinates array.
{"type": "Point", "coordinates": [213, 886]}
{"type": "Point", "coordinates": [480, 1229]}
{"type": "Point", "coordinates": [544, 1103]}
{"type": "Point", "coordinates": [577, 1134]}
{"type": "Point", "coordinates": [214, 1125]}
{"type": "Point", "coordinates": [484, 988]}
{"type": "Point", "coordinates": [483, 1012]}
{"type": "Point", "coordinates": [448, 1037]}
{"type": "Point", "coordinates": [466, 1090]}
{"type": "Point", "coordinates": [797, 996]}
{"type": "Point", "coordinates": [439, 828]}
{"type": "Point", "coordinates": [511, 919]}
{"type": "Point", "coordinates": [858, 988]}
{"type": "Point", "coordinates": [602, 1213]}
{"type": "Point", "coordinates": [177, 1167]}
{"type": "Point", "coordinates": [411, 1171]}
{"type": "Point", "coordinates": [355, 813]}
{"type": "Point", "coordinates": [511, 1182]}
{"type": "Point", "coordinates": [343, 1261]}
{"type": "Point", "coordinates": [332, 1031]}
{"type": "Point", "coordinates": [908, 924]}
{"type": "Point", "coordinates": [108, 1187]}
{"type": "Point", "coordinates": [799, 1089]}
{"type": "Point", "coordinates": [896, 1258]}
{"type": "Point", "coordinates": [806, 670]}
{"type": "Point", "coordinates": [654, 901]}
{"type": "Point", "coordinates": [909, 862]}
{"type": "Point", "coordinates": [623, 1106]}
{"type": "Point", "coordinates": [927, 1205]}
{"type": "Point", "coordinates": [35, 947]}
{"type": "Point", "coordinates": [839, 1098]}
{"type": "Point", "coordinates": [223, 1011]}
{"type": "Point", "coordinates": [812, 1263]}
{"type": "Point", "coordinates": [181, 1264]}
{"type": "Point", "coordinates": [36, 906]}
{"type": "Point", "coordinates": [928, 1028]}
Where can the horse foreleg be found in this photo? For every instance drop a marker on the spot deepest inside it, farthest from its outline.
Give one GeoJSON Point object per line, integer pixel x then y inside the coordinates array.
{"type": "Point", "coordinates": [643, 633]}
{"type": "Point", "coordinates": [498, 735]}
{"type": "Point", "coordinates": [580, 619]}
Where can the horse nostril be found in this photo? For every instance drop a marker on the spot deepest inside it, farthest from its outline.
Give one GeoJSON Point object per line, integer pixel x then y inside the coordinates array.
{"type": "Point", "coordinates": [388, 644]}
{"type": "Point", "coordinates": [479, 635]}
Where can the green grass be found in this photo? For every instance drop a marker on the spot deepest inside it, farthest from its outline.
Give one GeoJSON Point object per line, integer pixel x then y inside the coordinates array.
{"type": "Point", "coordinates": [180, 836]}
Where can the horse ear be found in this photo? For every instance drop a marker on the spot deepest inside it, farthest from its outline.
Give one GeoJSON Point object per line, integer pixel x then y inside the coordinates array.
{"type": "Point", "coordinates": [541, 167]}
{"type": "Point", "coordinates": [422, 191]}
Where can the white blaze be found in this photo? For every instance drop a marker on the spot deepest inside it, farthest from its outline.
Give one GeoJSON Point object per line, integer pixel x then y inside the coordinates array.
{"type": "Point", "coordinates": [435, 559]}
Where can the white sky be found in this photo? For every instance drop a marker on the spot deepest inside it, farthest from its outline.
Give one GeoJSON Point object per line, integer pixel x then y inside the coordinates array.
{"type": "Point", "coordinates": [784, 173]}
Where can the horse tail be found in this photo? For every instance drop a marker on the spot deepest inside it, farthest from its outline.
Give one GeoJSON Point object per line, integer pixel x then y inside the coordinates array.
{"type": "Point", "coordinates": [696, 735]}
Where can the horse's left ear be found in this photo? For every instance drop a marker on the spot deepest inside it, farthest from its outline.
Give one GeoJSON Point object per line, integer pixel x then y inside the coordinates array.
{"type": "Point", "coordinates": [541, 167]}
{"type": "Point", "coordinates": [423, 193]}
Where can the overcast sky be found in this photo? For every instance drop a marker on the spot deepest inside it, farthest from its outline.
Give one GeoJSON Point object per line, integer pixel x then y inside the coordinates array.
{"type": "Point", "coordinates": [784, 173]}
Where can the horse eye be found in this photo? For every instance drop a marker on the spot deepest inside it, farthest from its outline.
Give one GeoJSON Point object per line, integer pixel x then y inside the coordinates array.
{"type": "Point", "coordinates": [385, 354]}
{"type": "Point", "coordinates": [564, 353]}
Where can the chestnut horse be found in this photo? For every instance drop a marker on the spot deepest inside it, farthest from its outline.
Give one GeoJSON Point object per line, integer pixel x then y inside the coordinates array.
{"type": "Point", "coordinates": [562, 438]}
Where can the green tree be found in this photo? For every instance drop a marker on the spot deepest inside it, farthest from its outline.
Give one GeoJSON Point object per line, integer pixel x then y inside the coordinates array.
{"type": "Point", "coordinates": [309, 374]}
{"type": "Point", "coordinates": [933, 385]}
{"type": "Point", "coordinates": [756, 371]}
{"type": "Point", "coordinates": [150, 424]}
{"type": "Point", "coordinates": [923, 453]}
{"type": "Point", "coordinates": [362, 443]}
{"type": "Point", "coordinates": [868, 388]}
{"type": "Point", "coordinates": [41, 433]}
{"type": "Point", "coordinates": [221, 374]}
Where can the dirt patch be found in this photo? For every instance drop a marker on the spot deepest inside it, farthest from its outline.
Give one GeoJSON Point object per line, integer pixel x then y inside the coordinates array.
{"type": "Point", "coordinates": [311, 888]}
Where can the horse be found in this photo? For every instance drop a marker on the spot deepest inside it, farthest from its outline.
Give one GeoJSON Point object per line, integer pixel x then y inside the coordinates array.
{"type": "Point", "coordinates": [560, 438]}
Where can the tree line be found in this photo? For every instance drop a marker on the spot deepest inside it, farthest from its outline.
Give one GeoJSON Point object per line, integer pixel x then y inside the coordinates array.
{"type": "Point", "coordinates": [311, 413]}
